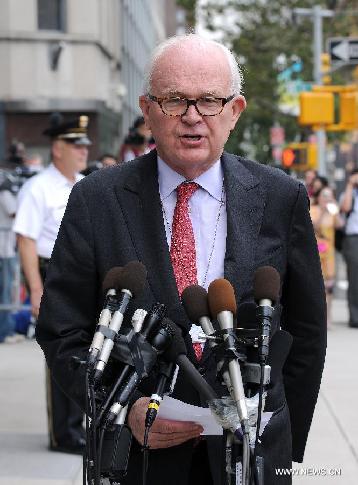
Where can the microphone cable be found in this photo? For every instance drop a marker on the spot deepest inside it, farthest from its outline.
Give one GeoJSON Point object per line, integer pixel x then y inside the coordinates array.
{"type": "Point", "coordinates": [145, 450]}
{"type": "Point", "coordinates": [258, 423]}
{"type": "Point", "coordinates": [118, 383]}
{"type": "Point", "coordinates": [89, 458]}
{"type": "Point", "coordinates": [99, 456]}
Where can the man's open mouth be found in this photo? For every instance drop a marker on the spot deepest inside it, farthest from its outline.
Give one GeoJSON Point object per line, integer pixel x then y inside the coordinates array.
{"type": "Point", "coordinates": [192, 137]}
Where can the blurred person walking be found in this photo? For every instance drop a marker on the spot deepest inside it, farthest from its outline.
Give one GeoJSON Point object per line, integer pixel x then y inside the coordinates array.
{"type": "Point", "coordinates": [108, 160]}
{"type": "Point", "coordinates": [138, 141]}
{"type": "Point", "coordinates": [349, 206]}
{"type": "Point", "coordinates": [41, 206]}
{"type": "Point", "coordinates": [134, 146]}
{"type": "Point", "coordinates": [318, 183]}
{"type": "Point", "coordinates": [326, 219]}
{"type": "Point", "coordinates": [7, 266]}
{"type": "Point", "coordinates": [309, 177]}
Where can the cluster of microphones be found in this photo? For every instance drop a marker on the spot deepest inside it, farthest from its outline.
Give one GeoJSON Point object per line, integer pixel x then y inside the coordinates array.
{"type": "Point", "coordinates": [154, 343]}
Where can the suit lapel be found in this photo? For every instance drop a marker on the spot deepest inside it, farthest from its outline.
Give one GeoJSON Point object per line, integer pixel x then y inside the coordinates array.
{"type": "Point", "coordinates": [245, 201]}
{"type": "Point", "coordinates": [139, 199]}
{"type": "Point", "coordinates": [245, 205]}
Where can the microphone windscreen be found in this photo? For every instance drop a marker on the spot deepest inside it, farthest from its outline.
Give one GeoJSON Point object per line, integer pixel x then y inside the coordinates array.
{"type": "Point", "coordinates": [266, 284]}
{"type": "Point", "coordinates": [221, 297]}
{"type": "Point", "coordinates": [195, 302]}
{"type": "Point", "coordinates": [133, 276]}
{"type": "Point", "coordinates": [177, 345]}
{"type": "Point", "coordinates": [112, 279]}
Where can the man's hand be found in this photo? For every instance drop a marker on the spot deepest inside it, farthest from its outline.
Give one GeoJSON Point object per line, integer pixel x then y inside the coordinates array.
{"type": "Point", "coordinates": [164, 433]}
{"type": "Point", "coordinates": [35, 298]}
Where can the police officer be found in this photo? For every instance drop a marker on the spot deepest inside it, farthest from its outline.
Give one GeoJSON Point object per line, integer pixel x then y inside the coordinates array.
{"type": "Point", "coordinates": [41, 206]}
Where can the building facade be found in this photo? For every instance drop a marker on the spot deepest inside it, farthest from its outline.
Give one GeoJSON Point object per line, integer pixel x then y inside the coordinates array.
{"type": "Point", "coordinates": [76, 57]}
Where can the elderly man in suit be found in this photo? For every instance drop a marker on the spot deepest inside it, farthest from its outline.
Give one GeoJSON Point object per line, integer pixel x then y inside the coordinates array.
{"type": "Point", "coordinates": [192, 213]}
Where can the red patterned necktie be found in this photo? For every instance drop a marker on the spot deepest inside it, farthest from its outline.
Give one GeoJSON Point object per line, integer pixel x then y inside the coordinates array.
{"type": "Point", "coordinates": [182, 248]}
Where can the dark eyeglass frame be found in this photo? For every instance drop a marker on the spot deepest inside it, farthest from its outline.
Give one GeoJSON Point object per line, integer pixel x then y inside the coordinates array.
{"type": "Point", "coordinates": [191, 102]}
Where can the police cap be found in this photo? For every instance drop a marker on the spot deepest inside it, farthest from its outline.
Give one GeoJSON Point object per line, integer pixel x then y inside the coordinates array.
{"type": "Point", "coordinates": [74, 131]}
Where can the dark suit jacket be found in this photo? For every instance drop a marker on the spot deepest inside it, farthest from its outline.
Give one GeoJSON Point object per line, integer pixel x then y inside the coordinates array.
{"type": "Point", "coordinates": [114, 216]}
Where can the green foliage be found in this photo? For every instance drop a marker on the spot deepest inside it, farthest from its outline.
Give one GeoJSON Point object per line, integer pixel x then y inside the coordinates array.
{"type": "Point", "coordinates": [260, 32]}
{"type": "Point", "coordinates": [190, 8]}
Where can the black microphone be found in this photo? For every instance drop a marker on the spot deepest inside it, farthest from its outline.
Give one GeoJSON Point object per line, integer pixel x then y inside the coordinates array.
{"type": "Point", "coordinates": [165, 373]}
{"type": "Point", "coordinates": [222, 303]}
{"type": "Point", "coordinates": [159, 339]}
{"type": "Point", "coordinates": [195, 302]}
{"type": "Point", "coordinates": [177, 353]}
{"type": "Point", "coordinates": [266, 294]}
{"type": "Point", "coordinates": [110, 285]}
{"type": "Point", "coordinates": [132, 280]}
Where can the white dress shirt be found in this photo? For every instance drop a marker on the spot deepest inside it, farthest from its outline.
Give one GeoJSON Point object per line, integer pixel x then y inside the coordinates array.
{"type": "Point", "coordinates": [207, 209]}
{"type": "Point", "coordinates": [41, 205]}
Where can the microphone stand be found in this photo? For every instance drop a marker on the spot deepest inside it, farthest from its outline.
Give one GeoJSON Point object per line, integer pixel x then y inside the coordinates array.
{"type": "Point", "coordinates": [236, 445]}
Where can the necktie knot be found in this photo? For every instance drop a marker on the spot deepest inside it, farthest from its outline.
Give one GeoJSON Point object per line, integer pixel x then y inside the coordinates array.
{"type": "Point", "coordinates": [185, 190]}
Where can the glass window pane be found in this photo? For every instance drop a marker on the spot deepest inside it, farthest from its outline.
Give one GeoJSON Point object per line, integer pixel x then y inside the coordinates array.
{"type": "Point", "coordinates": [50, 14]}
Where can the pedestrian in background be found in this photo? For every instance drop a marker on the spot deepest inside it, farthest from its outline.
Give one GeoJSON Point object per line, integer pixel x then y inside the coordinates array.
{"type": "Point", "coordinates": [107, 160]}
{"type": "Point", "coordinates": [7, 265]}
{"type": "Point", "coordinates": [310, 176]}
{"type": "Point", "coordinates": [317, 185]}
{"type": "Point", "coordinates": [42, 203]}
{"type": "Point", "coordinates": [349, 206]}
{"type": "Point", "coordinates": [326, 219]}
{"type": "Point", "coordinates": [138, 141]}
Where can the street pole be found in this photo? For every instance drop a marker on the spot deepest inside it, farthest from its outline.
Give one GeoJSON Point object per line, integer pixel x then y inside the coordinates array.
{"type": "Point", "coordinates": [317, 14]}
{"type": "Point", "coordinates": [317, 76]}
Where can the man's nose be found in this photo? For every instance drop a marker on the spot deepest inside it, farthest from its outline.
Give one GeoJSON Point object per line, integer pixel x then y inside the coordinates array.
{"type": "Point", "coordinates": [191, 116]}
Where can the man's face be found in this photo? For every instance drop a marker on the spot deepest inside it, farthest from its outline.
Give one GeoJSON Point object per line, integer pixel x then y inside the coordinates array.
{"type": "Point", "coordinates": [191, 143]}
{"type": "Point", "coordinates": [72, 157]}
{"type": "Point", "coordinates": [109, 162]}
{"type": "Point", "coordinates": [310, 175]}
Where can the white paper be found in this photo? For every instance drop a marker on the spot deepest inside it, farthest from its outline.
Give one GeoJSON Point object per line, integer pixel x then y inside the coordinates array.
{"type": "Point", "coordinates": [176, 410]}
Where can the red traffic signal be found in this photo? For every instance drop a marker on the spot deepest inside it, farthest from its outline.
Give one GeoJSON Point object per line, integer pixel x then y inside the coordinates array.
{"type": "Point", "coordinates": [288, 157]}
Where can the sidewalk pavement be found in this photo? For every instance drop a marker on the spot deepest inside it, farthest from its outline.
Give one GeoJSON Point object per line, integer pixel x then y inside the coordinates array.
{"type": "Point", "coordinates": [25, 460]}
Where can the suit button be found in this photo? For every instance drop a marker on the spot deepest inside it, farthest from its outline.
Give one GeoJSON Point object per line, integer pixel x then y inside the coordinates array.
{"type": "Point", "coordinates": [201, 370]}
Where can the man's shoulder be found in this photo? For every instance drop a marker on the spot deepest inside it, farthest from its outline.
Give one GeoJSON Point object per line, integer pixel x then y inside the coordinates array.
{"type": "Point", "coordinates": [265, 174]}
{"type": "Point", "coordinates": [120, 175]}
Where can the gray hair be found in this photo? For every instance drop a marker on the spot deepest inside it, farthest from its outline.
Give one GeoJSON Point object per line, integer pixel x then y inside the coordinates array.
{"type": "Point", "coordinates": [236, 74]}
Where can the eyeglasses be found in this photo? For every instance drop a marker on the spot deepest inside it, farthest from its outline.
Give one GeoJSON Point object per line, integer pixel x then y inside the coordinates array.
{"type": "Point", "coordinates": [205, 106]}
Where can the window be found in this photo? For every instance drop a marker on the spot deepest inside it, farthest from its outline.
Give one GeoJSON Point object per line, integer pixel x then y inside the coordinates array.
{"type": "Point", "coordinates": [51, 14]}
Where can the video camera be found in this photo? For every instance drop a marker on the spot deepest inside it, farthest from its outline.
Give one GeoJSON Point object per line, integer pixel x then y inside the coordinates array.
{"type": "Point", "coordinates": [12, 179]}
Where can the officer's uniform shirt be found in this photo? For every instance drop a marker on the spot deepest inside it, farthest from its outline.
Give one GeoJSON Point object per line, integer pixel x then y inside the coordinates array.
{"type": "Point", "coordinates": [41, 205]}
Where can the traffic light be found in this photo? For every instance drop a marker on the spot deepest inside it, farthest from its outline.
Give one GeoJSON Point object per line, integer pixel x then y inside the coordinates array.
{"type": "Point", "coordinates": [348, 108]}
{"type": "Point", "coordinates": [300, 156]}
{"type": "Point", "coordinates": [316, 108]}
{"type": "Point", "coordinates": [326, 68]}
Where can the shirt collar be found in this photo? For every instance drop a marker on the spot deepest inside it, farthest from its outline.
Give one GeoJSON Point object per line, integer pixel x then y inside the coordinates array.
{"type": "Point", "coordinates": [211, 180]}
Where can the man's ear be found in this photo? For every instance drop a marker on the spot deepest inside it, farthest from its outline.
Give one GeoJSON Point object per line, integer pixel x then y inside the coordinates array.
{"type": "Point", "coordinates": [238, 106]}
{"type": "Point", "coordinates": [56, 149]}
{"type": "Point", "coordinates": [144, 106]}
